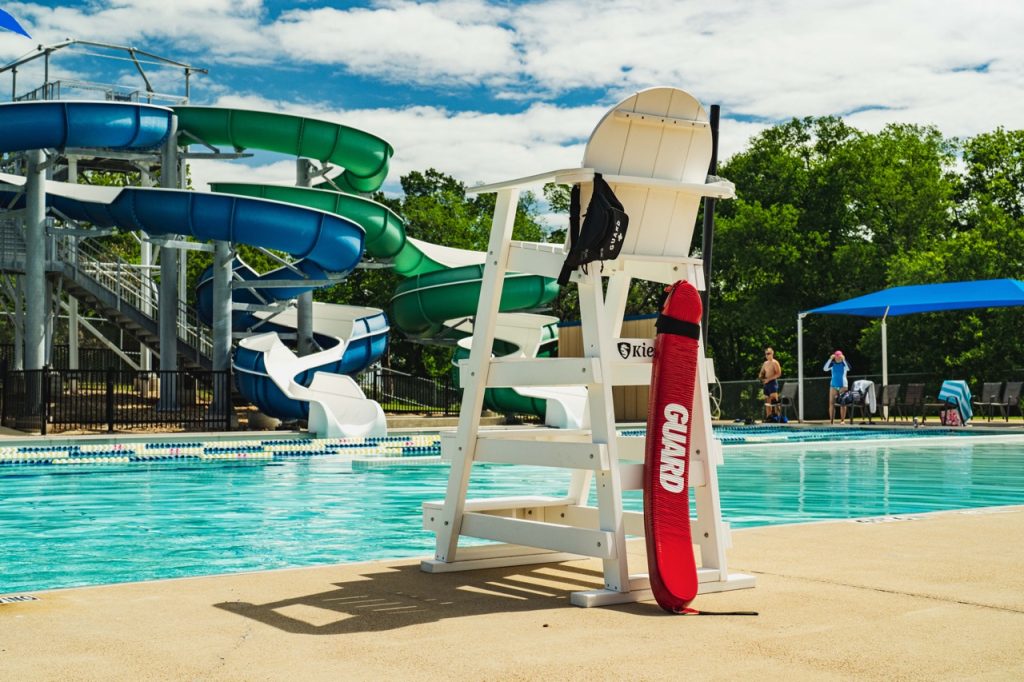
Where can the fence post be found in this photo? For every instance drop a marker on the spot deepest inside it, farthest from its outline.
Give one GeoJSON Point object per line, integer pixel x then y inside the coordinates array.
{"type": "Point", "coordinates": [4, 384]}
{"type": "Point", "coordinates": [44, 413]}
{"type": "Point", "coordinates": [110, 400]}
{"type": "Point", "coordinates": [228, 398]}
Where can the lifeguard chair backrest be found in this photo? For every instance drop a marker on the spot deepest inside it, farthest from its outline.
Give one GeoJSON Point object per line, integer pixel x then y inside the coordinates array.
{"type": "Point", "coordinates": [660, 133]}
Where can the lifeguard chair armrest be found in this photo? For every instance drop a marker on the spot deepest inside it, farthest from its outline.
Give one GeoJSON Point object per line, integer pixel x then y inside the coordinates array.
{"type": "Point", "coordinates": [720, 189]}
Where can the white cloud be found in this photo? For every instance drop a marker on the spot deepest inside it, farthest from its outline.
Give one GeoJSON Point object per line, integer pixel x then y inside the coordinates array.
{"type": "Point", "coordinates": [221, 27]}
{"type": "Point", "coordinates": [444, 42]}
{"type": "Point", "coordinates": [940, 62]}
{"type": "Point", "coordinates": [205, 171]}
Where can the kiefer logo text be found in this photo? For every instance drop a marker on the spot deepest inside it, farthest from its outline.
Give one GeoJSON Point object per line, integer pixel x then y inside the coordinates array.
{"type": "Point", "coordinates": [639, 350]}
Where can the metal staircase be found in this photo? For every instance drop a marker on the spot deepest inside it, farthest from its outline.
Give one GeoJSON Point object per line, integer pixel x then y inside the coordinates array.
{"type": "Point", "coordinates": [118, 290]}
{"type": "Point", "coordinates": [12, 244]}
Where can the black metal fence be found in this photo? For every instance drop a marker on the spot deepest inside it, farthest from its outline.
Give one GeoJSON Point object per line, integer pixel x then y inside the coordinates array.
{"type": "Point", "coordinates": [400, 393]}
{"type": "Point", "coordinates": [88, 357]}
{"type": "Point", "coordinates": [56, 400]}
{"type": "Point", "coordinates": [744, 399]}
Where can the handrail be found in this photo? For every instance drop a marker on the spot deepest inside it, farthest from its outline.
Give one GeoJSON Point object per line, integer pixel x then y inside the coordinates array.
{"type": "Point", "coordinates": [125, 281]}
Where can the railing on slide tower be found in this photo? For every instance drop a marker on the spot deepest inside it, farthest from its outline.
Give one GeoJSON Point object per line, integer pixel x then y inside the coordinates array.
{"type": "Point", "coordinates": [127, 281]}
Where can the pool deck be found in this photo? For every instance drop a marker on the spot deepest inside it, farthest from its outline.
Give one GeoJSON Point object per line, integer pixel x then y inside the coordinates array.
{"type": "Point", "coordinates": [936, 596]}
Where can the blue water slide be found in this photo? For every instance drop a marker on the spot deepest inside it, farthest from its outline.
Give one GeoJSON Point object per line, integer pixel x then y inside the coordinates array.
{"type": "Point", "coordinates": [58, 124]}
{"type": "Point", "coordinates": [328, 245]}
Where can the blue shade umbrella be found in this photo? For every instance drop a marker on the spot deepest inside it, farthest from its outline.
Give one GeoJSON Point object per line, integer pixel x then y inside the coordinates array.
{"type": "Point", "coordinates": [11, 24]}
{"type": "Point", "coordinates": [917, 298]}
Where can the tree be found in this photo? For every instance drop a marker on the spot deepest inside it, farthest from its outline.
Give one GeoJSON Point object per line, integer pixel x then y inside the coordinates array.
{"type": "Point", "coordinates": [994, 173]}
{"type": "Point", "coordinates": [984, 241]}
{"type": "Point", "coordinates": [822, 210]}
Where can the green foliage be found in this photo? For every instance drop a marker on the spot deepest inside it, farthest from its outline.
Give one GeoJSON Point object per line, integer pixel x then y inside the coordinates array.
{"type": "Point", "coordinates": [827, 212]}
{"type": "Point", "coordinates": [984, 241]}
{"type": "Point", "coordinates": [994, 172]}
{"type": "Point", "coordinates": [436, 210]}
{"type": "Point", "coordinates": [557, 197]}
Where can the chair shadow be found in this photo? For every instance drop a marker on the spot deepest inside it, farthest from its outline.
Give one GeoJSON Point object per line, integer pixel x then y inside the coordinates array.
{"type": "Point", "coordinates": [397, 597]}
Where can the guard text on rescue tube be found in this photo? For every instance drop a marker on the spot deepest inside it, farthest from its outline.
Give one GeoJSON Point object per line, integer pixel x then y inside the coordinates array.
{"type": "Point", "coordinates": [674, 433]}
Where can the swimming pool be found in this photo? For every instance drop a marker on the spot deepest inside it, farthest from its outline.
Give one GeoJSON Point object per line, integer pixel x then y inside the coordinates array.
{"type": "Point", "coordinates": [63, 526]}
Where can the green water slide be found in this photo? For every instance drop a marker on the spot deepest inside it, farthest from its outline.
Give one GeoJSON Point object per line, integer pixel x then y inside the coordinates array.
{"type": "Point", "coordinates": [441, 284]}
{"type": "Point", "coordinates": [385, 234]}
{"type": "Point", "coordinates": [364, 157]}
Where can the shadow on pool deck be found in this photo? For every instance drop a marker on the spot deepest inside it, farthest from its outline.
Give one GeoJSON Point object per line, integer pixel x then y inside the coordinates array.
{"type": "Point", "coordinates": [404, 596]}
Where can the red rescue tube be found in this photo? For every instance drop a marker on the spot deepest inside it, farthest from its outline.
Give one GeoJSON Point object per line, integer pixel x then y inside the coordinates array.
{"type": "Point", "coordinates": [670, 560]}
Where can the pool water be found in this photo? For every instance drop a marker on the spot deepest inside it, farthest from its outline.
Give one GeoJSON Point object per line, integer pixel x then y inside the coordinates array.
{"type": "Point", "coordinates": [64, 526]}
{"type": "Point", "coordinates": [772, 433]}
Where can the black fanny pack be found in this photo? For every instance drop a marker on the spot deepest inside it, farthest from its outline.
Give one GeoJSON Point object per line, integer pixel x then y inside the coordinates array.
{"type": "Point", "coordinates": [603, 231]}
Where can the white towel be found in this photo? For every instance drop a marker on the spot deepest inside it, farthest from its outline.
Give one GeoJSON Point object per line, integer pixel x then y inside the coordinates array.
{"type": "Point", "coordinates": [867, 388]}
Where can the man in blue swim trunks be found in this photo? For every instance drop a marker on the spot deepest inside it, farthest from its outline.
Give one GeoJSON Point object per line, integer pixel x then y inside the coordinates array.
{"type": "Point", "coordinates": [839, 366]}
{"type": "Point", "coordinates": [769, 375]}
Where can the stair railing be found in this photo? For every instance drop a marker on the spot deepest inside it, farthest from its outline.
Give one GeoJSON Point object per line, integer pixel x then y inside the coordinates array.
{"type": "Point", "coordinates": [126, 281]}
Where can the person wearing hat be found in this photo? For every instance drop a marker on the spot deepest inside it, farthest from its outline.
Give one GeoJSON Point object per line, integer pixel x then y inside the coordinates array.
{"type": "Point", "coordinates": [839, 366]}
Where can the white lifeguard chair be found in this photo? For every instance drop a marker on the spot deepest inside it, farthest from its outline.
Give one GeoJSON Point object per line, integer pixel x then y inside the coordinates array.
{"type": "Point", "coordinates": [654, 149]}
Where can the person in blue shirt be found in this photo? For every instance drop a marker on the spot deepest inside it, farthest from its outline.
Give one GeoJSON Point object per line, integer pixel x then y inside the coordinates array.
{"type": "Point", "coordinates": [839, 366]}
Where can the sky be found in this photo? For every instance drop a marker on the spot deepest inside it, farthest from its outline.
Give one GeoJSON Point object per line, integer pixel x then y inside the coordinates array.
{"type": "Point", "coordinates": [491, 90]}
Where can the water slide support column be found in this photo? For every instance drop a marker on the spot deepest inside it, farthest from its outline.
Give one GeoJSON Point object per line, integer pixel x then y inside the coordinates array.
{"type": "Point", "coordinates": [304, 303]}
{"type": "Point", "coordinates": [181, 182]}
{"type": "Point", "coordinates": [73, 331]}
{"type": "Point", "coordinates": [222, 258]}
{"type": "Point", "coordinates": [35, 260]}
{"type": "Point", "coordinates": [49, 290]}
{"type": "Point", "coordinates": [182, 284]}
{"type": "Point", "coordinates": [168, 311]}
{"type": "Point", "coordinates": [146, 261]}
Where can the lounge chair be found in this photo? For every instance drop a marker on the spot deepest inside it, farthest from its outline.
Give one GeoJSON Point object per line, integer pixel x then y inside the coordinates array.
{"type": "Point", "coordinates": [863, 399]}
{"type": "Point", "coordinates": [990, 392]}
{"type": "Point", "coordinates": [787, 398]}
{"type": "Point", "coordinates": [890, 394]}
{"type": "Point", "coordinates": [953, 403]}
{"type": "Point", "coordinates": [913, 402]}
{"type": "Point", "coordinates": [1010, 399]}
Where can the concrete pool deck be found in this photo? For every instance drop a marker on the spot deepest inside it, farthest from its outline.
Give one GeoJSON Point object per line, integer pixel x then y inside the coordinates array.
{"type": "Point", "coordinates": [935, 596]}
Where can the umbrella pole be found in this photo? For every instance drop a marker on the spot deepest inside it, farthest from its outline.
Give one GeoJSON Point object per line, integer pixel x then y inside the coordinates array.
{"type": "Point", "coordinates": [800, 364]}
{"type": "Point", "coordinates": [885, 361]}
